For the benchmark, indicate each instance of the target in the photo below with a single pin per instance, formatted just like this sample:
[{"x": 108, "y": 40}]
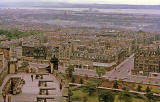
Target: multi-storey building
[
  {"x": 36, "y": 52},
  {"x": 147, "y": 61},
  {"x": 4, "y": 61},
  {"x": 65, "y": 51}
]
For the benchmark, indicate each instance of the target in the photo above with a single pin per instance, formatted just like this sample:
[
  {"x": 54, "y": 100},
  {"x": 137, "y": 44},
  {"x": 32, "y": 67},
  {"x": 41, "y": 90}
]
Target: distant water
[{"x": 122, "y": 11}]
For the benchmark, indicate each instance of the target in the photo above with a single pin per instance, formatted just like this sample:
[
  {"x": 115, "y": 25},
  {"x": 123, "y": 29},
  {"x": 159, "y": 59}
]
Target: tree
[
  {"x": 81, "y": 81},
  {"x": 100, "y": 71},
  {"x": 121, "y": 96},
  {"x": 85, "y": 99},
  {"x": 13, "y": 33},
  {"x": 70, "y": 71},
  {"x": 107, "y": 96},
  {"x": 124, "y": 88},
  {"x": 86, "y": 77},
  {"x": 140, "y": 31},
  {"x": 90, "y": 87},
  {"x": 70, "y": 93},
  {"x": 54, "y": 60},
  {"x": 73, "y": 79},
  {"x": 25, "y": 64},
  {"x": 148, "y": 89},
  {"x": 115, "y": 85},
  {"x": 150, "y": 96},
  {"x": 139, "y": 88},
  {"x": 99, "y": 83},
  {"x": 125, "y": 96}
]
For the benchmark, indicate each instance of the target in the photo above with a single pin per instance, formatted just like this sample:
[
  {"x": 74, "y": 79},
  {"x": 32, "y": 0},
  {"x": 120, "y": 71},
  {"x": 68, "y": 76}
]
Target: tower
[
  {"x": 12, "y": 66},
  {"x": 54, "y": 63}
]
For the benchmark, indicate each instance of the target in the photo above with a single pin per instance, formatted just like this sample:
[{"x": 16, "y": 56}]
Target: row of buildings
[
  {"x": 82, "y": 47},
  {"x": 147, "y": 60}
]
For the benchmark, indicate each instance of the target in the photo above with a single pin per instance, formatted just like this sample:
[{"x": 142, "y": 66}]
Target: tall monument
[
  {"x": 54, "y": 63},
  {"x": 12, "y": 66}
]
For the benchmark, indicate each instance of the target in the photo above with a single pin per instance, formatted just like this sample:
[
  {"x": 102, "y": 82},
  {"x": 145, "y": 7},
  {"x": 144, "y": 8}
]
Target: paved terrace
[{"x": 30, "y": 89}]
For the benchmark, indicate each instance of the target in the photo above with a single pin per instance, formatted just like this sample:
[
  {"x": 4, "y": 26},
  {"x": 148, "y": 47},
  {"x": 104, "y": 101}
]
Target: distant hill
[{"x": 69, "y": 5}]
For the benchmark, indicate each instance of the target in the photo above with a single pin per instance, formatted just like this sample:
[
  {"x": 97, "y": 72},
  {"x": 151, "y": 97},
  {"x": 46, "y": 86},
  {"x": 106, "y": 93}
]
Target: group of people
[{"x": 4, "y": 95}]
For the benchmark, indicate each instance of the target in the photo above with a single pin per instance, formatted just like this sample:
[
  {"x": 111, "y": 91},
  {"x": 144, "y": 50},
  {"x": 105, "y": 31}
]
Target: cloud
[{"x": 139, "y": 2}]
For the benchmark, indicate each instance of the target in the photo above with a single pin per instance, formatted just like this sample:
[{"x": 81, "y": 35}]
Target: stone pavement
[{"x": 30, "y": 89}]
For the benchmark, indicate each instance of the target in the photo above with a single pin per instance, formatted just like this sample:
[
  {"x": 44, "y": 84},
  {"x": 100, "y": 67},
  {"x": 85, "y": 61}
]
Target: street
[{"x": 122, "y": 71}]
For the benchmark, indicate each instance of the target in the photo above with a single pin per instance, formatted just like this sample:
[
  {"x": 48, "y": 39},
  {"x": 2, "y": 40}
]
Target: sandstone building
[{"x": 147, "y": 60}]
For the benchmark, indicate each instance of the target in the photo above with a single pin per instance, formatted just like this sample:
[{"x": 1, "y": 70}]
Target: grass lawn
[
  {"x": 78, "y": 96},
  {"x": 133, "y": 99},
  {"x": 155, "y": 89}
]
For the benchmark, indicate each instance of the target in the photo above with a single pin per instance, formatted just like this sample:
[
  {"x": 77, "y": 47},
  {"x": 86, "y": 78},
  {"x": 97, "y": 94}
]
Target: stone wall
[{"x": 3, "y": 74}]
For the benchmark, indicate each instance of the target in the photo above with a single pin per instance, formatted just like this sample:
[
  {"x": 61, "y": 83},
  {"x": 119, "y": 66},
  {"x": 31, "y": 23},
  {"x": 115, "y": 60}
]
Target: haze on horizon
[{"x": 129, "y": 2}]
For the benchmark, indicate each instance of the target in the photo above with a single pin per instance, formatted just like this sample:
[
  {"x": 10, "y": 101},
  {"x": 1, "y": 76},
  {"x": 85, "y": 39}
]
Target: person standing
[
  {"x": 60, "y": 87},
  {"x": 9, "y": 97},
  {"x": 32, "y": 77},
  {"x": 4, "y": 96}
]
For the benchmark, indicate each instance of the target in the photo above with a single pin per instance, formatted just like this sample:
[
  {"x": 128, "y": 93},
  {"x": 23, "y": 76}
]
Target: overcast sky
[{"x": 138, "y": 2}]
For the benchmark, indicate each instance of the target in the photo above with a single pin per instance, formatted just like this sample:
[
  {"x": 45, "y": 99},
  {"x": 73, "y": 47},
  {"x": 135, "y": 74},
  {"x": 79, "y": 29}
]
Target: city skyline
[
  {"x": 79, "y": 50},
  {"x": 130, "y": 2}
]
